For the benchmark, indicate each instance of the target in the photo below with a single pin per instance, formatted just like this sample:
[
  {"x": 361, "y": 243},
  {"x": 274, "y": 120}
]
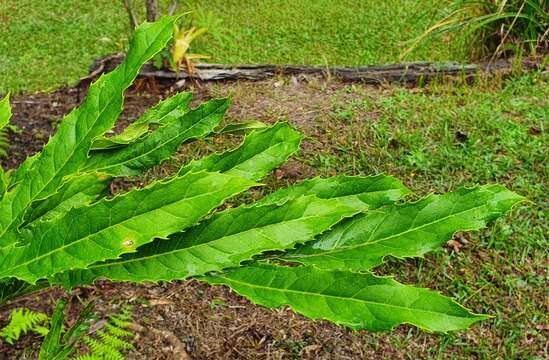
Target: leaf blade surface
[
  {"x": 356, "y": 300},
  {"x": 405, "y": 230},
  {"x": 111, "y": 227}
]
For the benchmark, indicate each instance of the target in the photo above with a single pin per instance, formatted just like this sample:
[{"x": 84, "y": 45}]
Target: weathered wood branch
[
  {"x": 151, "y": 7},
  {"x": 179, "y": 350},
  {"x": 131, "y": 15},
  {"x": 173, "y": 7},
  {"x": 401, "y": 73}
]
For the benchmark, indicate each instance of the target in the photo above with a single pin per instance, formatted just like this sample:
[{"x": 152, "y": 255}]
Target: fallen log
[{"x": 411, "y": 73}]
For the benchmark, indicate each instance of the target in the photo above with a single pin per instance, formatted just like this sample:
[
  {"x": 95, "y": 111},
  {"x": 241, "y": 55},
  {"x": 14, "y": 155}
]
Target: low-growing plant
[
  {"x": 176, "y": 54},
  {"x": 22, "y": 321},
  {"x": 97, "y": 338},
  {"x": 179, "y": 50},
  {"x": 497, "y": 27},
  {"x": 311, "y": 246},
  {"x": 111, "y": 340}
]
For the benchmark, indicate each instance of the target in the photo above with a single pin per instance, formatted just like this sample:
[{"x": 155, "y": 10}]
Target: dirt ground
[{"x": 213, "y": 322}]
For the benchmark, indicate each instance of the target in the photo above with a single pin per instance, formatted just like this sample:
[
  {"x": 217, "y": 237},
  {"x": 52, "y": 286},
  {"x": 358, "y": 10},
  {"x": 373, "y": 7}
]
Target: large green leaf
[
  {"x": 405, "y": 230},
  {"x": 241, "y": 127},
  {"x": 159, "y": 114},
  {"x": 225, "y": 240},
  {"x": 19, "y": 174},
  {"x": 76, "y": 191},
  {"x": 261, "y": 151},
  {"x": 161, "y": 143},
  {"x": 234, "y": 235},
  {"x": 68, "y": 149},
  {"x": 5, "y": 111},
  {"x": 5, "y": 178},
  {"x": 369, "y": 191},
  {"x": 11, "y": 288},
  {"x": 358, "y": 301},
  {"x": 5, "y": 115},
  {"x": 111, "y": 227}
]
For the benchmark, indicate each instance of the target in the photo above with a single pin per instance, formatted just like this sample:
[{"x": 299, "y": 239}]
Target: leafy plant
[
  {"x": 5, "y": 115},
  {"x": 59, "y": 226},
  {"x": 182, "y": 39},
  {"x": 497, "y": 26},
  {"x": 176, "y": 53},
  {"x": 22, "y": 321},
  {"x": 59, "y": 342},
  {"x": 109, "y": 342},
  {"x": 105, "y": 342}
]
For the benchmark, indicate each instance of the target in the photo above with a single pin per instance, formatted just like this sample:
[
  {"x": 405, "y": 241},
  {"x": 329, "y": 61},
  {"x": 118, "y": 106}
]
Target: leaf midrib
[
  {"x": 207, "y": 244},
  {"x": 190, "y": 128},
  {"x": 351, "y": 247},
  {"x": 78, "y": 241},
  {"x": 250, "y": 285},
  {"x": 125, "y": 64}
]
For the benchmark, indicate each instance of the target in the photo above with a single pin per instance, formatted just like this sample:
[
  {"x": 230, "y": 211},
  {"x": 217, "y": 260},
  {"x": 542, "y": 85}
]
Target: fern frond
[
  {"x": 114, "y": 341},
  {"x": 22, "y": 321},
  {"x": 104, "y": 351},
  {"x": 119, "y": 321},
  {"x": 108, "y": 343},
  {"x": 117, "y": 331}
]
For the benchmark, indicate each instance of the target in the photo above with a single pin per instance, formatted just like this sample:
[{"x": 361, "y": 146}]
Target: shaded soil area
[{"x": 213, "y": 322}]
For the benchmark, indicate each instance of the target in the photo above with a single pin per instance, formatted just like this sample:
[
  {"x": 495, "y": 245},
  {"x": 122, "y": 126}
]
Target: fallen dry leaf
[
  {"x": 454, "y": 244},
  {"x": 310, "y": 349},
  {"x": 156, "y": 302}
]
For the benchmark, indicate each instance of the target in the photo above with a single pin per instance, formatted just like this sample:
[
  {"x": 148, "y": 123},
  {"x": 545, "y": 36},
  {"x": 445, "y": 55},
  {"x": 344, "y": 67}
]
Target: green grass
[{"x": 47, "y": 44}]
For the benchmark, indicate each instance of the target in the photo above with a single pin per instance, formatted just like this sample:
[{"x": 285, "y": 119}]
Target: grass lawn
[{"x": 46, "y": 44}]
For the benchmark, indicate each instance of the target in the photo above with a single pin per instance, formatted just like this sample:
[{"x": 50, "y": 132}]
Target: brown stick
[
  {"x": 131, "y": 15},
  {"x": 152, "y": 10},
  {"x": 411, "y": 73},
  {"x": 179, "y": 350},
  {"x": 173, "y": 7}
]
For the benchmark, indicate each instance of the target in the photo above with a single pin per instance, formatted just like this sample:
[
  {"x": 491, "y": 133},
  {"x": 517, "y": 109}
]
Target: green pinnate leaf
[
  {"x": 54, "y": 230},
  {"x": 159, "y": 145},
  {"x": 22, "y": 321},
  {"x": 261, "y": 151},
  {"x": 68, "y": 149},
  {"x": 234, "y": 235},
  {"x": 161, "y": 113},
  {"x": 111, "y": 227},
  {"x": 5, "y": 111},
  {"x": 224, "y": 240},
  {"x": 405, "y": 230},
  {"x": 355, "y": 300}
]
